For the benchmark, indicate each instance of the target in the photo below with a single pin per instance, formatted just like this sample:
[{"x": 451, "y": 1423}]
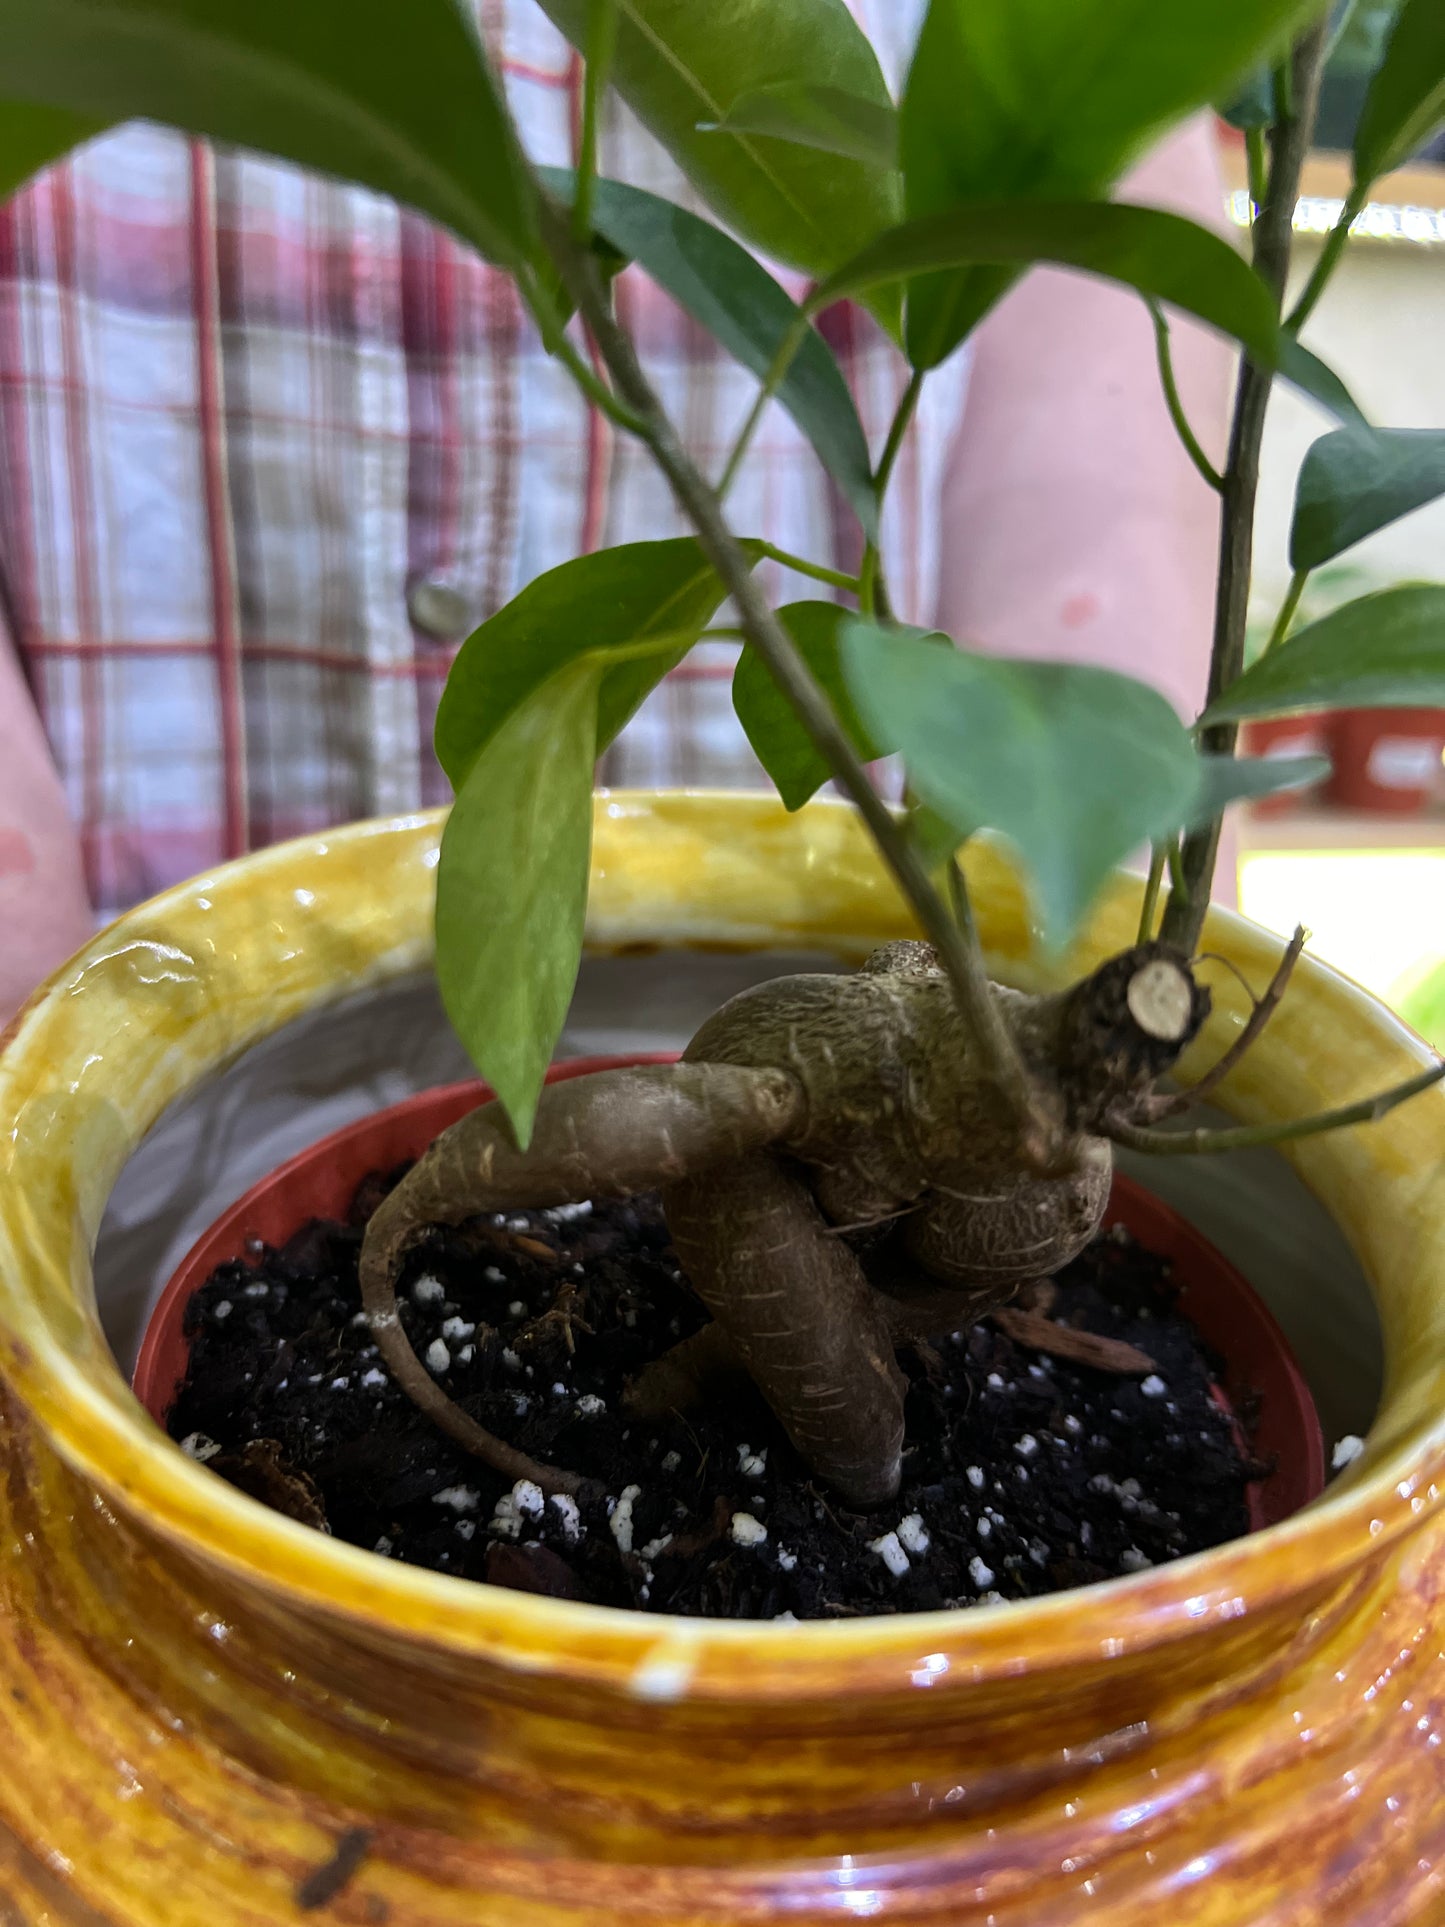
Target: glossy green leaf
[
  {"x": 681, "y": 64},
  {"x": 1075, "y": 766},
  {"x": 779, "y": 741},
  {"x": 1359, "y": 480},
  {"x": 512, "y": 887},
  {"x": 823, "y": 117},
  {"x": 1406, "y": 101},
  {"x": 407, "y": 106},
  {"x": 735, "y": 298},
  {"x": 1380, "y": 652},
  {"x": 1237, "y": 779},
  {"x": 1159, "y": 254},
  {"x": 1252, "y": 103},
  {"x": 661, "y": 592},
  {"x": 1313, "y": 377},
  {"x": 1049, "y": 99},
  {"x": 33, "y": 137}
]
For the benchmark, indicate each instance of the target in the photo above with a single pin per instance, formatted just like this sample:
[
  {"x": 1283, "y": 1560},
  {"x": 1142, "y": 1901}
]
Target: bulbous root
[{"x": 606, "y": 1136}]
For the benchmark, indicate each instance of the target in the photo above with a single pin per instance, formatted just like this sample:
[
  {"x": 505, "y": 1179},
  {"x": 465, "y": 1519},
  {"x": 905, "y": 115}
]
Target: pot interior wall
[{"x": 318, "y": 1074}]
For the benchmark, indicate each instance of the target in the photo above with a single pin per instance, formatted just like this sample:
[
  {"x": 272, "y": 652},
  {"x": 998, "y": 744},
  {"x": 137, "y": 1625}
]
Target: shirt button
[{"x": 439, "y": 610}]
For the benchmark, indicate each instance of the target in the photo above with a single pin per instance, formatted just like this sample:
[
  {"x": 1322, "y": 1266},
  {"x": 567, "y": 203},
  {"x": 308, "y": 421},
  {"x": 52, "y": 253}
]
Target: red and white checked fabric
[{"x": 245, "y": 410}]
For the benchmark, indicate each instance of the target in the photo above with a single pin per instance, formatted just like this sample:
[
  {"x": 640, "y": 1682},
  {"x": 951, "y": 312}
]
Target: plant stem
[
  {"x": 601, "y": 44},
  {"x": 836, "y": 577},
  {"x": 554, "y": 340},
  {"x": 777, "y": 374},
  {"x": 1273, "y": 232},
  {"x": 959, "y": 954},
  {"x": 1287, "y": 610},
  {"x": 1172, "y": 399},
  {"x": 1257, "y": 159},
  {"x": 897, "y": 429},
  {"x": 1264, "y": 1009},
  {"x": 1151, "y": 894},
  {"x": 1329, "y": 259},
  {"x": 1245, "y": 1137}
]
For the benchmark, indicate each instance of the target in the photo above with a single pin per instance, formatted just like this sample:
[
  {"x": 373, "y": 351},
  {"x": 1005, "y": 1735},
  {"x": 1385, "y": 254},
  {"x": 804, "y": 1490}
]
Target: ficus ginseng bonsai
[{"x": 916, "y": 1104}]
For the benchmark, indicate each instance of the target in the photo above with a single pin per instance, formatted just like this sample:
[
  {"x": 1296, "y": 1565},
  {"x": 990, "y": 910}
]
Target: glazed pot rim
[{"x": 55, "y": 1356}]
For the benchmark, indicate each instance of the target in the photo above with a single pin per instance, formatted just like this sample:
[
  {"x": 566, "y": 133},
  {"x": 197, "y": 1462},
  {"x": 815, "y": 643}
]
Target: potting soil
[{"x": 1022, "y": 1473}]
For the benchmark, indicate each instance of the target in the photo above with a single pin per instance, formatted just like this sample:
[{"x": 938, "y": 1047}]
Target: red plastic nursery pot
[
  {"x": 320, "y": 1182},
  {"x": 1389, "y": 760},
  {"x": 1292, "y": 736}
]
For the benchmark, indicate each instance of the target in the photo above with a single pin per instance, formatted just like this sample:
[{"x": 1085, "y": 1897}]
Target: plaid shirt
[{"x": 272, "y": 445}]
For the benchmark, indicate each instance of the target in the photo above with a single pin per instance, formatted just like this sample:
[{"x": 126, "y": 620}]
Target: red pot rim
[{"x": 321, "y": 1180}]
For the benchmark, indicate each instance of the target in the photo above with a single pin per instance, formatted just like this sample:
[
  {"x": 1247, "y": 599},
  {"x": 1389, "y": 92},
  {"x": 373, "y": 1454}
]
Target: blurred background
[{"x": 1361, "y": 861}]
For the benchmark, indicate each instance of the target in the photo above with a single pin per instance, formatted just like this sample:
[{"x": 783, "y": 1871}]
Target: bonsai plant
[{"x": 974, "y": 1120}]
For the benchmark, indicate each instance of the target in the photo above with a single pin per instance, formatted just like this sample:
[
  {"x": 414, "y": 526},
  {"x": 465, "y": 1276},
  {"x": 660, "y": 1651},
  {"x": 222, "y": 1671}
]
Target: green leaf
[
  {"x": 410, "y": 108},
  {"x": 1382, "y": 651},
  {"x": 661, "y": 592},
  {"x": 32, "y": 137},
  {"x": 1236, "y": 779},
  {"x": 1406, "y": 101},
  {"x": 827, "y": 118},
  {"x": 683, "y": 63},
  {"x": 512, "y": 887},
  {"x": 1076, "y": 766},
  {"x": 1359, "y": 480},
  {"x": 1049, "y": 99},
  {"x": 1314, "y": 378},
  {"x": 779, "y": 741},
  {"x": 1252, "y": 104},
  {"x": 733, "y": 296},
  {"x": 1159, "y": 254}
]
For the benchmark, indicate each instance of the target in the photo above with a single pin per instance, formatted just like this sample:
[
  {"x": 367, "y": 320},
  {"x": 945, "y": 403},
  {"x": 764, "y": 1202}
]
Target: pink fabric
[{"x": 245, "y": 410}]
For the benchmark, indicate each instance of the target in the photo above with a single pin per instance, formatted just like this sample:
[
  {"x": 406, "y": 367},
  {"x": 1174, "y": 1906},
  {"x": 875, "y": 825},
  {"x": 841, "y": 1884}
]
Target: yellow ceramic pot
[{"x": 212, "y": 1715}]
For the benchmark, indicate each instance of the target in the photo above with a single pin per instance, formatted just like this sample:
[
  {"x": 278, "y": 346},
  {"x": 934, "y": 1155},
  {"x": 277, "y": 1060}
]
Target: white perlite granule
[
  {"x": 438, "y": 1358},
  {"x": 590, "y": 1406},
  {"x": 427, "y": 1290},
  {"x": 461, "y": 1498},
  {"x": 373, "y": 1378},
  {"x": 457, "y": 1328},
  {"x": 974, "y": 1475},
  {"x": 1153, "y": 1386},
  {"x": 566, "y": 1509},
  {"x": 979, "y": 1573},
  {"x": 786, "y": 1560},
  {"x": 752, "y": 1464},
  {"x": 1132, "y": 1560},
  {"x": 671, "y": 1461},
  {"x": 1346, "y": 1451},
  {"x": 620, "y": 1518},
  {"x": 746, "y": 1530},
  {"x": 197, "y": 1446},
  {"x": 891, "y": 1553},
  {"x": 1027, "y": 1446},
  {"x": 222, "y": 1311},
  {"x": 913, "y": 1533}
]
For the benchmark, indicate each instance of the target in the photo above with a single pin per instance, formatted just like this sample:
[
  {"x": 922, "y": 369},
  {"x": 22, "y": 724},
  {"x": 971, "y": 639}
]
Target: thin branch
[
  {"x": 1151, "y": 894},
  {"x": 897, "y": 429},
  {"x": 554, "y": 340},
  {"x": 1329, "y": 257},
  {"x": 1273, "y": 233},
  {"x": 1257, "y": 160},
  {"x": 1264, "y": 1008},
  {"x": 601, "y": 45},
  {"x": 961, "y": 959},
  {"x": 777, "y": 374},
  {"x": 1246, "y": 1137},
  {"x": 836, "y": 577},
  {"x": 1287, "y": 609},
  {"x": 1173, "y": 402}
]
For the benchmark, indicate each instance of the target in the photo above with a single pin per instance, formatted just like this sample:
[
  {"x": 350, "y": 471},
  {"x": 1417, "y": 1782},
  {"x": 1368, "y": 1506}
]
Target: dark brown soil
[{"x": 1022, "y": 1474}]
